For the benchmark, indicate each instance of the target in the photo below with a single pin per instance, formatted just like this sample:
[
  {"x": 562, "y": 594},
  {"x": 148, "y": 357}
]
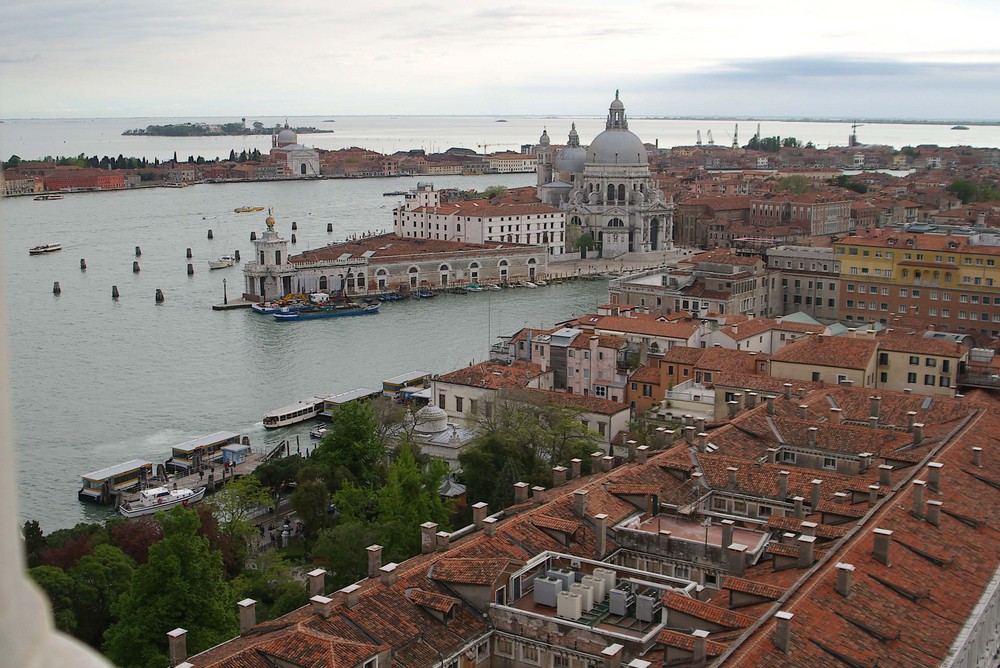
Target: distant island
[{"x": 212, "y": 130}]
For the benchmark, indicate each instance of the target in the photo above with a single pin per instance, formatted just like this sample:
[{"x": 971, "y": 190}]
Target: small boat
[
  {"x": 423, "y": 295},
  {"x": 222, "y": 262},
  {"x": 270, "y": 308},
  {"x": 321, "y": 312},
  {"x": 960, "y": 127},
  {"x": 494, "y": 288},
  {"x": 529, "y": 284},
  {"x": 318, "y": 432},
  {"x": 390, "y": 297},
  {"x": 45, "y": 248},
  {"x": 160, "y": 498},
  {"x": 43, "y": 198},
  {"x": 473, "y": 287},
  {"x": 248, "y": 209},
  {"x": 540, "y": 283},
  {"x": 394, "y": 193},
  {"x": 303, "y": 410},
  {"x": 458, "y": 291}
]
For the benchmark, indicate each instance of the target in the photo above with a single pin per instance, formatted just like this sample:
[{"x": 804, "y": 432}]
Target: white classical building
[
  {"x": 299, "y": 161},
  {"x": 606, "y": 190}
]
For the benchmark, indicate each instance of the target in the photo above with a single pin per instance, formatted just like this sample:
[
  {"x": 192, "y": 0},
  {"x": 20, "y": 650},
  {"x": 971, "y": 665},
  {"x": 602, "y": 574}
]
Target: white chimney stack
[
  {"x": 248, "y": 614},
  {"x": 351, "y": 596},
  {"x": 321, "y": 605},
  {"x": 882, "y": 540},
  {"x": 783, "y": 630},
  {"x": 177, "y": 640},
  {"x": 317, "y": 579},
  {"x": 845, "y": 579}
]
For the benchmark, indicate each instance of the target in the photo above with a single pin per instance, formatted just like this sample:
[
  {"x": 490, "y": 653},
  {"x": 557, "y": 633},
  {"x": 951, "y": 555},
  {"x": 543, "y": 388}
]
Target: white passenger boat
[
  {"x": 307, "y": 409},
  {"x": 318, "y": 432},
  {"x": 222, "y": 262},
  {"x": 155, "y": 499}
]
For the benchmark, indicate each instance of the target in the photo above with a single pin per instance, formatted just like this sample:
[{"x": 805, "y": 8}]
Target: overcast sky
[{"x": 843, "y": 58}]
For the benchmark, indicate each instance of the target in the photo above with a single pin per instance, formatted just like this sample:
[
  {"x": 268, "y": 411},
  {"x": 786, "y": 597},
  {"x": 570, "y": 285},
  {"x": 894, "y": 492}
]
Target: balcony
[{"x": 987, "y": 380}]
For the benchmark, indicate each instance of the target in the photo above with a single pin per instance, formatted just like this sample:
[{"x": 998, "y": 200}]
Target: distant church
[
  {"x": 300, "y": 161},
  {"x": 606, "y": 189}
]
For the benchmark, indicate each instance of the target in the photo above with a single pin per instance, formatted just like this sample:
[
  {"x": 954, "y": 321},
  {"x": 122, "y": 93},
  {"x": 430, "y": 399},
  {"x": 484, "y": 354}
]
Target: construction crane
[
  {"x": 486, "y": 147},
  {"x": 711, "y": 142},
  {"x": 697, "y": 141},
  {"x": 853, "y": 139}
]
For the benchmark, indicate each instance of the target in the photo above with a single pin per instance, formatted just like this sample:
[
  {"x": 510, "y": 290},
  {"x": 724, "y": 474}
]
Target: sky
[{"x": 914, "y": 59}]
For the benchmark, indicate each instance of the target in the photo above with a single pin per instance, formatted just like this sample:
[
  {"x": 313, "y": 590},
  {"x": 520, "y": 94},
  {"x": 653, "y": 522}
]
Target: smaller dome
[
  {"x": 431, "y": 420},
  {"x": 544, "y": 139},
  {"x": 286, "y": 137},
  {"x": 571, "y": 159}
]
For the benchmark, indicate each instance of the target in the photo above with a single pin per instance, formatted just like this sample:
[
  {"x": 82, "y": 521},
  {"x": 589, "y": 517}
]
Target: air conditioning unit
[
  {"x": 609, "y": 576},
  {"x": 547, "y": 590},
  {"x": 586, "y": 593},
  {"x": 597, "y": 584},
  {"x": 647, "y": 608},
  {"x": 622, "y": 602},
  {"x": 570, "y": 605},
  {"x": 567, "y": 576}
]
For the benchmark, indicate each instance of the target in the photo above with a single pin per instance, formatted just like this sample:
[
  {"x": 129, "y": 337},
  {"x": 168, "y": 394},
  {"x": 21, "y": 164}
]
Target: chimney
[
  {"x": 490, "y": 526},
  {"x": 558, "y": 475},
  {"x": 787, "y": 390},
  {"x": 783, "y": 630},
  {"x": 782, "y": 485},
  {"x": 686, "y": 420},
  {"x": 660, "y": 436},
  {"x": 700, "y": 424},
  {"x": 520, "y": 492},
  {"x": 803, "y": 412},
  {"x": 388, "y": 574},
  {"x": 845, "y": 579},
  {"x": 934, "y": 512},
  {"x": 689, "y": 435},
  {"x": 601, "y": 534},
  {"x": 177, "y": 640},
  {"x": 248, "y": 614},
  {"x": 934, "y": 476},
  {"x": 612, "y": 656},
  {"x": 977, "y": 457},
  {"x": 918, "y": 433},
  {"x": 727, "y": 532},
  {"x": 351, "y": 595},
  {"x": 317, "y": 581},
  {"x": 808, "y": 528},
  {"x": 872, "y": 421},
  {"x": 772, "y": 455},
  {"x": 580, "y": 502},
  {"x": 799, "y": 511},
  {"x": 574, "y": 467},
  {"x": 875, "y": 403},
  {"x": 911, "y": 418},
  {"x": 918, "y": 498},
  {"x": 882, "y": 539},
  {"x": 836, "y": 415},
  {"x": 811, "y": 436},
  {"x": 427, "y": 531},
  {"x": 732, "y": 476},
  {"x": 663, "y": 541},
  {"x": 374, "y": 560},
  {"x": 733, "y": 407},
  {"x": 866, "y": 461},
  {"x": 699, "y": 652},
  {"x": 607, "y": 463},
  {"x": 641, "y": 454},
  {"x": 788, "y": 538},
  {"x": 814, "y": 497},
  {"x": 443, "y": 539},
  {"x": 885, "y": 475},
  {"x": 873, "y": 494},
  {"x": 702, "y": 441},
  {"x": 737, "y": 562},
  {"x": 538, "y": 495},
  {"x": 321, "y": 605},
  {"x": 806, "y": 551},
  {"x": 631, "y": 446},
  {"x": 770, "y": 405},
  {"x": 669, "y": 436},
  {"x": 801, "y": 393},
  {"x": 751, "y": 399},
  {"x": 595, "y": 461},
  {"x": 479, "y": 512}
]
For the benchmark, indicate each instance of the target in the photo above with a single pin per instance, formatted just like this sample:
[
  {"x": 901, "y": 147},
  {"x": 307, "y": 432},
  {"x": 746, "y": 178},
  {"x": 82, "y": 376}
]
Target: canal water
[{"x": 96, "y": 382}]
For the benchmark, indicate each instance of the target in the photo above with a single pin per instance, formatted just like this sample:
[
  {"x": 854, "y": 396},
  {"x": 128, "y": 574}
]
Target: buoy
[
  {"x": 135, "y": 267},
  {"x": 189, "y": 253},
  {"x": 138, "y": 251},
  {"x": 159, "y": 296},
  {"x": 190, "y": 269},
  {"x": 56, "y": 288},
  {"x": 83, "y": 264},
  {"x": 295, "y": 225},
  {"x": 236, "y": 254},
  {"x": 114, "y": 292},
  {"x": 293, "y": 238},
  {"x": 210, "y": 235},
  {"x": 253, "y": 236},
  {"x": 329, "y": 227}
]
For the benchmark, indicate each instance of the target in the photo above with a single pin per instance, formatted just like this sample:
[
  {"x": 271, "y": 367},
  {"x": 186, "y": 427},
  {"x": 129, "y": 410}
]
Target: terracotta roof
[
  {"x": 932, "y": 242},
  {"x": 758, "y": 326},
  {"x": 915, "y": 343},
  {"x": 831, "y": 351},
  {"x": 556, "y": 524},
  {"x": 782, "y": 549},
  {"x": 645, "y": 374},
  {"x": 710, "y": 613},
  {"x": 469, "y": 571},
  {"x": 588, "y": 404},
  {"x": 685, "y": 641},
  {"x": 494, "y": 375},
  {"x": 432, "y": 600},
  {"x": 828, "y": 531},
  {"x": 648, "y": 325},
  {"x": 683, "y": 354},
  {"x": 752, "y": 587},
  {"x": 623, "y": 489},
  {"x": 391, "y": 247}
]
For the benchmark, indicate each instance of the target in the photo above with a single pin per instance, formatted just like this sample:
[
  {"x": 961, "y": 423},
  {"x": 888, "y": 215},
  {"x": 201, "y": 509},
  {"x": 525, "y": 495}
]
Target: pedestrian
[{"x": 201, "y": 475}]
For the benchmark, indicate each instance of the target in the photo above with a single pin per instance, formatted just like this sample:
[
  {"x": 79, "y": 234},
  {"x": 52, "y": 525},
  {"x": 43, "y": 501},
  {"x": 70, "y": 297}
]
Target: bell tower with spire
[{"x": 544, "y": 154}]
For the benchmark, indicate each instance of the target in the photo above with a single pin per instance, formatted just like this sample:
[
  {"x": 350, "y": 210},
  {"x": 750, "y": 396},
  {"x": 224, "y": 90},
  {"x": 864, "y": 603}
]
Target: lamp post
[{"x": 225, "y": 294}]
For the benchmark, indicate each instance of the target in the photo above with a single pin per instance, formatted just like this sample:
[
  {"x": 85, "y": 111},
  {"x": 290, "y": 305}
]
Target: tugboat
[{"x": 160, "y": 498}]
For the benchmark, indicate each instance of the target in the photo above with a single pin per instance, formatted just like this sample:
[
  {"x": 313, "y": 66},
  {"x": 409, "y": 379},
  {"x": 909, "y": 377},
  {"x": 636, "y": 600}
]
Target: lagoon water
[{"x": 96, "y": 382}]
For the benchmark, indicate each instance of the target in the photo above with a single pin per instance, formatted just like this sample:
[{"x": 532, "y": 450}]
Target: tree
[
  {"x": 963, "y": 189},
  {"x": 494, "y": 191},
  {"x": 585, "y": 241},
  {"x": 844, "y": 181},
  {"x": 341, "y": 550},
  {"x": 795, "y": 183},
  {"x": 99, "y": 579},
  {"x": 34, "y": 542},
  {"x": 278, "y": 474},
  {"x": 409, "y": 498},
  {"x": 353, "y": 444},
  {"x": 182, "y": 584},
  {"x": 234, "y": 504},
  {"x": 13, "y": 162},
  {"x": 135, "y": 537},
  {"x": 272, "y": 585},
  {"x": 60, "y": 589},
  {"x": 311, "y": 501}
]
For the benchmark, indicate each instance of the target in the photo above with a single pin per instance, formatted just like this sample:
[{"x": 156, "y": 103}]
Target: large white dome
[
  {"x": 286, "y": 137},
  {"x": 617, "y": 147},
  {"x": 571, "y": 159}
]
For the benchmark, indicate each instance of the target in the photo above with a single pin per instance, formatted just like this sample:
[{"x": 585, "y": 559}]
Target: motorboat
[
  {"x": 495, "y": 288},
  {"x": 540, "y": 283},
  {"x": 321, "y": 312},
  {"x": 318, "y": 432},
  {"x": 529, "y": 284},
  {"x": 155, "y": 499},
  {"x": 473, "y": 287},
  {"x": 248, "y": 209},
  {"x": 390, "y": 297},
  {"x": 43, "y": 198},
  {"x": 222, "y": 262},
  {"x": 270, "y": 308},
  {"x": 45, "y": 248}
]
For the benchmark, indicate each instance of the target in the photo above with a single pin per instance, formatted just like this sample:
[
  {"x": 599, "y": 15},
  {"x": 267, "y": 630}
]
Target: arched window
[
  {"x": 616, "y": 222},
  {"x": 302, "y": 168},
  {"x": 503, "y": 271},
  {"x": 906, "y": 273},
  {"x": 322, "y": 282},
  {"x": 611, "y": 192},
  {"x": 575, "y": 220},
  {"x": 443, "y": 267},
  {"x": 414, "y": 276},
  {"x": 947, "y": 277},
  {"x": 474, "y": 271},
  {"x": 621, "y": 192},
  {"x": 360, "y": 281},
  {"x": 381, "y": 276}
]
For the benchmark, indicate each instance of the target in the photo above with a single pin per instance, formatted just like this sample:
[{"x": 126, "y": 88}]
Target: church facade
[
  {"x": 606, "y": 189},
  {"x": 298, "y": 161}
]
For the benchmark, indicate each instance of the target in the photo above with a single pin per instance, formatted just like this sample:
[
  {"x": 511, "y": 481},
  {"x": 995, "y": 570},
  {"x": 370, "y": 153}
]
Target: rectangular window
[
  {"x": 458, "y": 404},
  {"x": 930, "y": 361},
  {"x": 911, "y": 378},
  {"x": 505, "y": 647},
  {"x": 929, "y": 380},
  {"x": 830, "y": 463},
  {"x": 530, "y": 654},
  {"x": 441, "y": 401},
  {"x": 788, "y": 456}
]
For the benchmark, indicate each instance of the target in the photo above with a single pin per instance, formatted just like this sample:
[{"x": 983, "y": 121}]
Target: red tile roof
[
  {"x": 752, "y": 587},
  {"x": 588, "y": 404},
  {"x": 469, "y": 571},
  {"x": 831, "y": 351},
  {"x": 685, "y": 641},
  {"x": 391, "y": 247},
  {"x": 710, "y": 613},
  {"x": 494, "y": 375}
]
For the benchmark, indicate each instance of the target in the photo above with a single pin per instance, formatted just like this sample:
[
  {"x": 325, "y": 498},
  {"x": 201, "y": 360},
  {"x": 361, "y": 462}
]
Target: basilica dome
[
  {"x": 287, "y": 137},
  {"x": 617, "y": 145},
  {"x": 573, "y": 157},
  {"x": 431, "y": 420}
]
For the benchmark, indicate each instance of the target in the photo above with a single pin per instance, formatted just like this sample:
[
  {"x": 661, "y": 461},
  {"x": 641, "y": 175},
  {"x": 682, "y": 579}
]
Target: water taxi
[
  {"x": 44, "y": 198},
  {"x": 201, "y": 451},
  {"x": 155, "y": 499},
  {"x": 248, "y": 209},
  {"x": 391, "y": 386},
  {"x": 334, "y": 402},
  {"x": 44, "y": 248},
  {"x": 320, "y": 312},
  {"x": 473, "y": 287},
  {"x": 100, "y": 485},
  {"x": 222, "y": 262},
  {"x": 307, "y": 409}
]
